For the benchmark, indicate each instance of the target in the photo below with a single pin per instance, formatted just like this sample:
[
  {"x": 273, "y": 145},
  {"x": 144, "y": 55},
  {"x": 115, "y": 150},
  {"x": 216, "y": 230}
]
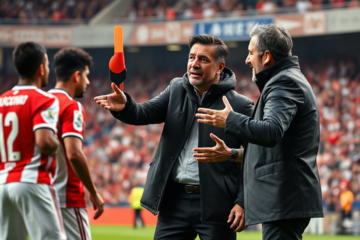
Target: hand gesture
[
  {"x": 216, "y": 118},
  {"x": 239, "y": 221},
  {"x": 115, "y": 101},
  {"x": 98, "y": 204},
  {"x": 219, "y": 153}
]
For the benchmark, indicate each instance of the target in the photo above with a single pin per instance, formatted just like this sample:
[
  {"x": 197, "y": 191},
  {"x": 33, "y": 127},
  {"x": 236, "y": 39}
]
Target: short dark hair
[
  {"x": 273, "y": 38},
  {"x": 69, "y": 60},
  {"x": 27, "y": 58},
  {"x": 221, "y": 52}
]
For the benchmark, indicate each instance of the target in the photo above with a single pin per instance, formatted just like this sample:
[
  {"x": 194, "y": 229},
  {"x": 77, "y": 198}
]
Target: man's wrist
[{"x": 234, "y": 154}]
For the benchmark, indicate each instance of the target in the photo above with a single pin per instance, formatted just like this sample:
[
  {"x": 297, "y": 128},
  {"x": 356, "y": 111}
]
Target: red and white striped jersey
[
  {"x": 71, "y": 124},
  {"x": 23, "y": 110}
]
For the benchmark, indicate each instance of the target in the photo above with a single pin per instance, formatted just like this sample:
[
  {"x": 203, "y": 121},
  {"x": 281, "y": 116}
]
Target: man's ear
[
  {"x": 220, "y": 67},
  {"x": 41, "y": 70},
  {"x": 267, "y": 59},
  {"x": 76, "y": 76}
]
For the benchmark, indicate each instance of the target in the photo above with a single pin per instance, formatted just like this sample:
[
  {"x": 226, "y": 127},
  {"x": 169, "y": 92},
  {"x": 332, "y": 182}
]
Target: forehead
[
  {"x": 252, "y": 43},
  {"x": 201, "y": 49}
]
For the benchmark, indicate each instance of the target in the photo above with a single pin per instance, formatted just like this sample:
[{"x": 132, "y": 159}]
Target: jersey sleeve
[
  {"x": 46, "y": 113},
  {"x": 73, "y": 121}
]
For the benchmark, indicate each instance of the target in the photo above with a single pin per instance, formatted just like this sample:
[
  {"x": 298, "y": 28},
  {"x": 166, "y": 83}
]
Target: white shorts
[
  {"x": 28, "y": 208},
  {"x": 76, "y": 223}
]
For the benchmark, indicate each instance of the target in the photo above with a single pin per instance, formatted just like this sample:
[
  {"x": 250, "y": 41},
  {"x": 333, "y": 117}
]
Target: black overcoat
[{"x": 281, "y": 179}]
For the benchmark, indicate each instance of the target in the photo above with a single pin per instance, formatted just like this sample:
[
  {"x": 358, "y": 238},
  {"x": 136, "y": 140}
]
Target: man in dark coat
[
  {"x": 281, "y": 180},
  {"x": 185, "y": 193}
]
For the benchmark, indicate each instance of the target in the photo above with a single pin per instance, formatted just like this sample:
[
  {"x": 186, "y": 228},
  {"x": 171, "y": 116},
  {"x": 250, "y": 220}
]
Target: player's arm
[
  {"x": 78, "y": 161},
  {"x": 47, "y": 141}
]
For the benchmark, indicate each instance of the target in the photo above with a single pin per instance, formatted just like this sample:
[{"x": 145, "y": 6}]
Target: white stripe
[
  {"x": 31, "y": 171},
  {"x": 61, "y": 176},
  {"x": 72, "y": 134},
  {"x": 79, "y": 105},
  {"x": 24, "y": 87},
  {"x": 44, "y": 125},
  {"x": 5, "y": 172},
  {"x": 45, "y": 93},
  {"x": 60, "y": 91},
  {"x": 48, "y": 165}
]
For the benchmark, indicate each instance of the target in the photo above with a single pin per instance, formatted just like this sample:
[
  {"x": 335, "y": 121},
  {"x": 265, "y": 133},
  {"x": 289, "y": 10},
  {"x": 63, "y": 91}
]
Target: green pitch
[{"x": 128, "y": 233}]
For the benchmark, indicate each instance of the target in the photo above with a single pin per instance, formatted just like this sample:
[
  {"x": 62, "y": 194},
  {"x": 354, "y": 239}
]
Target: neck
[
  {"x": 66, "y": 87},
  {"x": 36, "y": 83}
]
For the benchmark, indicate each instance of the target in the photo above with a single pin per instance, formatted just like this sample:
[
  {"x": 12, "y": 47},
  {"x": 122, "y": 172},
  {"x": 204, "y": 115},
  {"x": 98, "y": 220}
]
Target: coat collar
[
  {"x": 265, "y": 75},
  {"x": 227, "y": 82}
]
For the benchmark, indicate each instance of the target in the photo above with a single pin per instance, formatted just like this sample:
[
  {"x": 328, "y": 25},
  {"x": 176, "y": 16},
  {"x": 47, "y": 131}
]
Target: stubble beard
[{"x": 254, "y": 79}]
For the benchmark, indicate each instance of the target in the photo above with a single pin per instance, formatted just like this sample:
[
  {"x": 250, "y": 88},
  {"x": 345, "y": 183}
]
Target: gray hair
[{"x": 273, "y": 38}]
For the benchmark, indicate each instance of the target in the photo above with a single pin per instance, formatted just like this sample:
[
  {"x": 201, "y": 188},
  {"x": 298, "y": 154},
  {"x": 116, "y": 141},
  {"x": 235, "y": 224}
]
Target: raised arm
[{"x": 124, "y": 107}]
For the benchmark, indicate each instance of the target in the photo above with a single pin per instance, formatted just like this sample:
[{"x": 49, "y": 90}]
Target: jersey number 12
[{"x": 11, "y": 117}]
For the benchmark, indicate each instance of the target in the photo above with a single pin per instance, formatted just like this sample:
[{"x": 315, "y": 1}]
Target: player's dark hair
[
  {"x": 69, "y": 60},
  {"x": 27, "y": 58},
  {"x": 221, "y": 52}
]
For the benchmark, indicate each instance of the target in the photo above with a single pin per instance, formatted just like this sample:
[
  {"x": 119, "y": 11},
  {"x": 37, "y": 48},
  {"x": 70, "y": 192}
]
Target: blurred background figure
[
  {"x": 346, "y": 200},
  {"x": 134, "y": 200}
]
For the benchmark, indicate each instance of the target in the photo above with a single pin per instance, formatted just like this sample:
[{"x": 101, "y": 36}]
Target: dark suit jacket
[{"x": 281, "y": 179}]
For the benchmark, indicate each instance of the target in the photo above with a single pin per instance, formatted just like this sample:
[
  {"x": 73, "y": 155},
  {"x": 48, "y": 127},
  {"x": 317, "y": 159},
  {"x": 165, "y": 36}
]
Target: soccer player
[
  {"x": 71, "y": 70},
  {"x": 28, "y": 144}
]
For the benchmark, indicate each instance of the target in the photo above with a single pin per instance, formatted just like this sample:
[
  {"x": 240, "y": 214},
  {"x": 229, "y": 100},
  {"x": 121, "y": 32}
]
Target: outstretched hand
[
  {"x": 216, "y": 118},
  {"x": 219, "y": 153},
  {"x": 115, "y": 101}
]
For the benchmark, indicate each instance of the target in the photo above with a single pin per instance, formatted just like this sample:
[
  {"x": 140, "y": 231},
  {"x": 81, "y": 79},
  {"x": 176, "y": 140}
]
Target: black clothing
[
  {"x": 289, "y": 229},
  {"x": 138, "y": 218},
  {"x": 177, "y": 106},
  {"x": 281, "y": 179},
  {"x": 180, "y": 218}
]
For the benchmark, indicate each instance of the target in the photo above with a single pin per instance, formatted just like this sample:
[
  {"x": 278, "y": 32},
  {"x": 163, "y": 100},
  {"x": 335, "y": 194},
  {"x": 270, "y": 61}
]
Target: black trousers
[
  {"x": 289, "y": 229},
  {"x": 180, "y": 218},
  {"x": 138, "y": 218}
]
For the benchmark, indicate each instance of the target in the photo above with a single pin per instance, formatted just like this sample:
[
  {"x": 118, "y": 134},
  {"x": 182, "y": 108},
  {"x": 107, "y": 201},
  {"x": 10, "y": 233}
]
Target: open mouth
[{"x": 195, "y": 74}]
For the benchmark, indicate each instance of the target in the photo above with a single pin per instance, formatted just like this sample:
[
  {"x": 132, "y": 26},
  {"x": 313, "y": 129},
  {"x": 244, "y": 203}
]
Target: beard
[
  {"x": 79, "y": 95},
  {"x": 254, "y": 79},
  {"x": 202, "y": 82}
]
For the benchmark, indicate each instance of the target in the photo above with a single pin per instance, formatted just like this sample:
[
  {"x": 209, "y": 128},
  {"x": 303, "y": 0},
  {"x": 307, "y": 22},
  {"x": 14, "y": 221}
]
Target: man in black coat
[
  {"x": 281, "y": 180},
  {"x": 191, "y": 198}
]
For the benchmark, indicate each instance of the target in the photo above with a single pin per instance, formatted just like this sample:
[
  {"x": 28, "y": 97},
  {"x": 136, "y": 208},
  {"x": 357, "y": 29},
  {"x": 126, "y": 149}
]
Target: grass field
[{"x": 128, "y": 233}]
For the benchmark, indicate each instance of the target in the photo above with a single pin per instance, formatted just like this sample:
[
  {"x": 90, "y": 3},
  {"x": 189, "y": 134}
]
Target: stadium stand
[
  {"x": 34, "y": 10},
  {"x": 190, "y": 9}
]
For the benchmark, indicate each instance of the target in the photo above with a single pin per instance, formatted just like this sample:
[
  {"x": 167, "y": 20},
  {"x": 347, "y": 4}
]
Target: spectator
[{"x": 346, "y": 200}]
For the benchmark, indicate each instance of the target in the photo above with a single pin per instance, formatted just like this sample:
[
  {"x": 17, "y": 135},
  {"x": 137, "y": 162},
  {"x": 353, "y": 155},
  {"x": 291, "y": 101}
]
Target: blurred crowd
[
  {"x": 54, "y": 10},
  {"x": 119, "y": 154},
  {"x": 198, "y": 9},
  {"x": 159, "y": 10}
]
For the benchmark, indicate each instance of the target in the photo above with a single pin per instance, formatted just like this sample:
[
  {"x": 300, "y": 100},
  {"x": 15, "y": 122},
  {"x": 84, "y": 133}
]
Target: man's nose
[
  {"x": 195, "y": 63},
  {"x": 247, "y": 60}
]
